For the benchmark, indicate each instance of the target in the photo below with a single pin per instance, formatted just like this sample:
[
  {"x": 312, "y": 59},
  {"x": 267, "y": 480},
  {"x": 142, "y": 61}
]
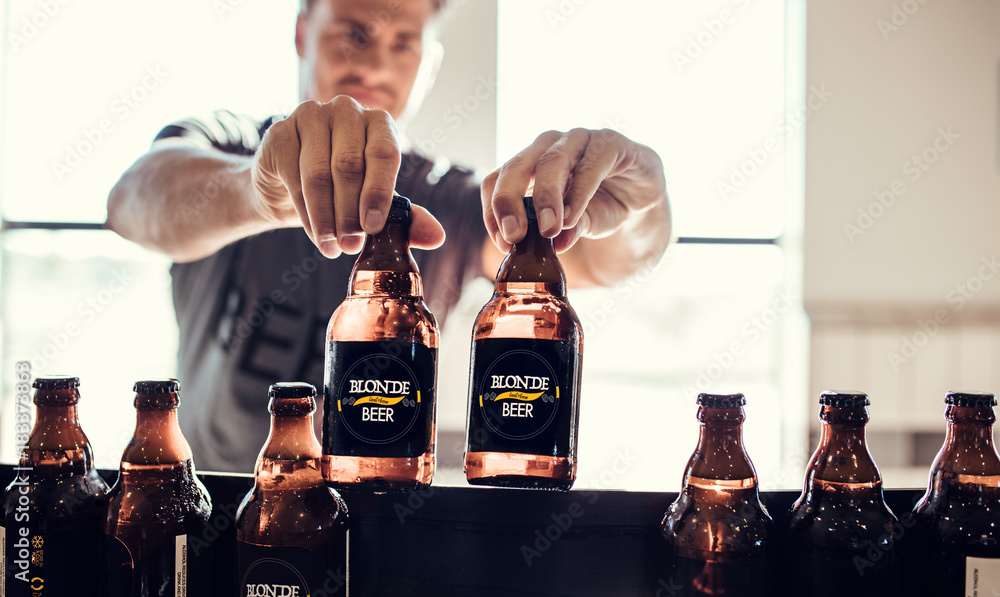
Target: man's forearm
[{"x": 186, "y": 202}]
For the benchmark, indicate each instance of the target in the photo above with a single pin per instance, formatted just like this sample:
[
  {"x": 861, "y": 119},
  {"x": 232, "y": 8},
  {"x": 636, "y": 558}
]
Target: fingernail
[
  {"x": 546, "y": 218},
  {"x": 567, "y": 212},
  {"x": 329, "y": 248},
  {"x": 509, "y": 226},
  {"x": 373, "y": 220}
]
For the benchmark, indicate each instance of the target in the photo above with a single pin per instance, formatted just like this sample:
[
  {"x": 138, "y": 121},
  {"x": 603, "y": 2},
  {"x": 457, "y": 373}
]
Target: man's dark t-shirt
[{"x": 256, "y": 312}]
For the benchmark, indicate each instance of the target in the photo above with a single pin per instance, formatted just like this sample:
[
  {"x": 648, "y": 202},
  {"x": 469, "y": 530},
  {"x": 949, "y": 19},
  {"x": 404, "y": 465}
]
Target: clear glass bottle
[
  {"x": 158, "y": 507},
  {"x": 291, "y": 529},
  {"x": 53, "y": 508},
  {"x": 527, "y": 350},
  {"x": 717, "y": 532},
  {"x": 381, "y": 370}
]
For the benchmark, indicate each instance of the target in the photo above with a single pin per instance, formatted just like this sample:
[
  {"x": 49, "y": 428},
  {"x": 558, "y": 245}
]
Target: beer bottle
[
  {"x": 956, "y": 542},
  {"x": 527, "y": 348},
  {"x": 381, "y": 368},
  {"x": 717, "y": 532},
  {"x": 840, "y": 538},
  {"x": 291, "y": 529},
  {"x": 53, "y": 507},
  {"x": 158, "y": 510}
]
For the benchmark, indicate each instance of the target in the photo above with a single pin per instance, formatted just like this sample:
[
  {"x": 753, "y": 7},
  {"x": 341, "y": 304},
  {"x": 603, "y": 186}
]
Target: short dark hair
[{"x": 439, "y": 5}]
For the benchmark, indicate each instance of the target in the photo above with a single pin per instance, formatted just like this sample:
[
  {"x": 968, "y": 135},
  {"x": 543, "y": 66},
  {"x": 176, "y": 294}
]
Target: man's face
[{"x": 367, "y": 49}]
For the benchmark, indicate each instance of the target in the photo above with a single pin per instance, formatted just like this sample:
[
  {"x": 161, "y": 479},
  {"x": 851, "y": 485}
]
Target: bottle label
[
  {"x": 289, "y": 571},
  {"x": 378, "y": 399},
  {"x": 180, "y": 566},
  {"x": 523, "y": 396},
  {"x": 982, "y": 576}
]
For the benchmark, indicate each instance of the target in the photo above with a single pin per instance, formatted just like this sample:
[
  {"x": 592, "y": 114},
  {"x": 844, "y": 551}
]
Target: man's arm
[
  {"x": 329, "y": 168},
  {"x": 595, "y": 187},
  {"x": 185, "y": 201}
]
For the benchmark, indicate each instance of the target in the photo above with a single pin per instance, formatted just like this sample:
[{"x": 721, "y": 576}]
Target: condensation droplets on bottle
[{"x": 527, "y": 350}]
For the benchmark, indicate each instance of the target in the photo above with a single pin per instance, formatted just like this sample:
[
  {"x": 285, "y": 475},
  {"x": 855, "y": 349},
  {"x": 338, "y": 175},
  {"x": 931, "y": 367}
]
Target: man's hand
[
  {"x": 586, "y": 184},
  {"x": 331, "y": 168}
]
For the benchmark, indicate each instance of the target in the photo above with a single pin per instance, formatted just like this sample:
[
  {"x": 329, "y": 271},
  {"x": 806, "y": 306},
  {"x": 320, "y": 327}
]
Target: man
[{"x": 258, "y": 269}]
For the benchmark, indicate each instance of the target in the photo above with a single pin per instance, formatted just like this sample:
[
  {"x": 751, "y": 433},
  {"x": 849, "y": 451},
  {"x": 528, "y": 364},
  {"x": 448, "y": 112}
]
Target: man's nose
[{"x": 371, "y": 60}]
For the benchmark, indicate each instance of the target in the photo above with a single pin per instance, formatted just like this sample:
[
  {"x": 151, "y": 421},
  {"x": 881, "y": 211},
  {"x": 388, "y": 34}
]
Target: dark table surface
[{"x": 489, "y": 542}]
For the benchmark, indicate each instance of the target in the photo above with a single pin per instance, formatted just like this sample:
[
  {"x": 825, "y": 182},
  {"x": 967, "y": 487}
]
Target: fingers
[
  {"x": 312, "y": 126},
  {"x": 382, "y": 159},
  {"x": 603, "y": 153},
  {"x": 503, "y": 193},
  {"x": 338, "y": 164},
  {"x": 425, "y": 231},
  {"x": 556, "y": 166}
]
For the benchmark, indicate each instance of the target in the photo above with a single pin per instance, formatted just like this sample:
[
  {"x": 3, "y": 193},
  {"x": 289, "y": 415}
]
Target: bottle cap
[
  {"x": 55, "y": 382},
  {"x": 157, "y": 386},
  {"x": 973, "y": 399},
  {"x": 529, "y": 208},
  {"x": 844, "y": 399},
  {"x": 721, "y": 400},
  {"x": 291, "y": 399},
  {"x": 400, "y": 207},
  {"x": 292, "y": 389}
]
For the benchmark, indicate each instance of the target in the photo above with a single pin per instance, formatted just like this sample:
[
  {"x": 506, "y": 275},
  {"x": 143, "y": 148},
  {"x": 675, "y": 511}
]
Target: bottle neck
[
  {"x": 157, "y": 440},
  {"x": 532, "y": 267},
  {"x": 969, "y": 451},
  {"x": 842, "y": 459},
  {"x": 291, "y": 455},
  {"x": 721, "y": 456},
  {"x": 385, "y": 265},
  {"x": 57, "y": 440}
]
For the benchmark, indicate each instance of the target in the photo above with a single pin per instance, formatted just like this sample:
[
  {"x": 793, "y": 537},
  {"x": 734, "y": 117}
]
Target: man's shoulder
[{"x": 222, "y": 129}]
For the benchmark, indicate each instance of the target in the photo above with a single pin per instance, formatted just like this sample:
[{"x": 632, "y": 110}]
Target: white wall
[{"x": 912, "y": 116}]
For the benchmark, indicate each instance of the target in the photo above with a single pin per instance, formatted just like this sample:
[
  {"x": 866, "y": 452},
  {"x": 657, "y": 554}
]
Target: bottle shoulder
[
  {"x": 698, "y": 524},
  {"x": 298, "y": 516},
  {"x": 543, "y": 317},
  {"x": 383, "y": 318}
]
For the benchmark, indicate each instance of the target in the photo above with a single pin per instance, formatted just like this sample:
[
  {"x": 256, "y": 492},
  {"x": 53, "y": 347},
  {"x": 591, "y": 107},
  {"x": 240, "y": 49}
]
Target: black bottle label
[
  {"x": 118, "y": 576},
  {"x": 378, "y": 399},
  {"x": 523, "y": 394},
  {"x": 289, "y": 571}
]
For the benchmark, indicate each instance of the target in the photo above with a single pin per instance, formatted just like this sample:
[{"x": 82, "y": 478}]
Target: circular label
[
  {"x": 378, "y": 399},
  {"x": 267, "y": 577},
  {"x": 519, "y": 395}
]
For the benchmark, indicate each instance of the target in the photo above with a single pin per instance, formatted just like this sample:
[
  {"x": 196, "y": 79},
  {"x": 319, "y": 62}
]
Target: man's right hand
[{"x": 332, "y": 168}]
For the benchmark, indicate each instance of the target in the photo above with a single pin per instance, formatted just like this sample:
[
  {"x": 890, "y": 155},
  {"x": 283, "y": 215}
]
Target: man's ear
[
  {"x": 300, "y": 35},
  {"x": 433, "y": 56}
]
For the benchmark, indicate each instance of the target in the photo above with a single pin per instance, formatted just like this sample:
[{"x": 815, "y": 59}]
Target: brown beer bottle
[
  {"x": 158, "y": 510},
  {"x": 381, "y": 370},
  {"x": 956, "y": 540},
  {"x": 527, "y": 348},
  {"x": 840, "y": 538},
  {"x": 53, "y": 507},
  {"x": 291, "y": 529},
  {"x": 717, "y": 532}
]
